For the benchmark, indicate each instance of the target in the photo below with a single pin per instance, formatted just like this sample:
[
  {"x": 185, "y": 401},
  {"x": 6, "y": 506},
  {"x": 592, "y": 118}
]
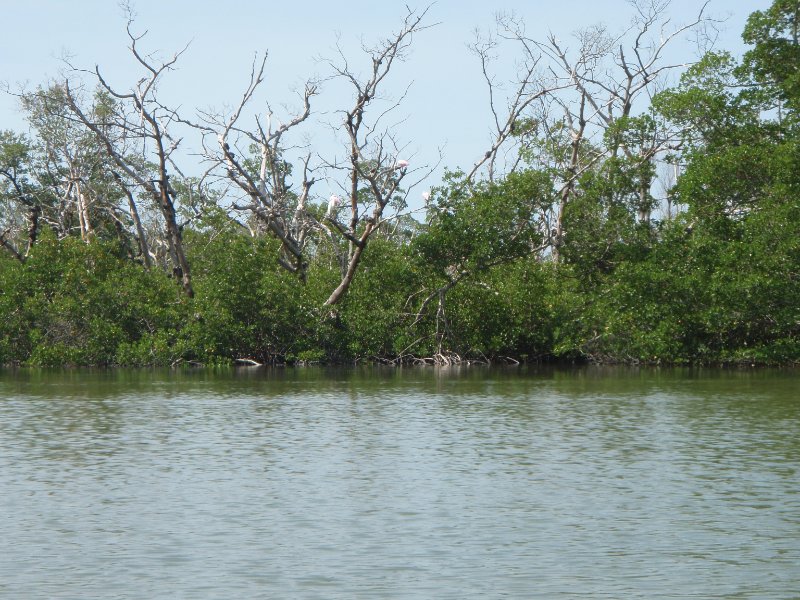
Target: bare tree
[
  {"x": 256, "y": 164},
  {"x": 611, "y": 74},
  {"x": 531, "y": 86},
  {"x": 588, "y": 91},
  {"x": 136, "y": 138},
  {"x": 373, "y": 166},
  {"x": 270, "y": 198}
]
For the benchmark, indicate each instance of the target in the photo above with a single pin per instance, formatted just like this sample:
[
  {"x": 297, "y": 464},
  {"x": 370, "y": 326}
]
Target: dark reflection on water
[{"x": 380, "y": 483}]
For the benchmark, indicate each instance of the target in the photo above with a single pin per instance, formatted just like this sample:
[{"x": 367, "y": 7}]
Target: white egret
[{"x": 333, "y": 204}]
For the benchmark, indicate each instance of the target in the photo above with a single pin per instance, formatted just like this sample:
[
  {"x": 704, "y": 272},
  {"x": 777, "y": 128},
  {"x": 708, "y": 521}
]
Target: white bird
[
  {"x": 333, "y": 203},
  {"x": 401, "y": 164},
  {"x": 426, "y": 196}
]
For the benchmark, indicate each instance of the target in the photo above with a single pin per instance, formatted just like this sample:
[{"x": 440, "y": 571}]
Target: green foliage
[
  {"x": 14, "y": 324},
  {"x": 77, "y": 303},
  {"x": 19, "y": 191},
  {"x": 14, "y": 153},
  {"x": 245, "y": 305},
  {"x": 704, "y": 106},
  {"x": 718, "y": 283},
  {"x": 375, "y": 313},
  {"x": 508, "y": 312},
  {"x": 474, "y": 228},
  {"x": 774, "y": 62},
  {"x": 600, "y": 222}
]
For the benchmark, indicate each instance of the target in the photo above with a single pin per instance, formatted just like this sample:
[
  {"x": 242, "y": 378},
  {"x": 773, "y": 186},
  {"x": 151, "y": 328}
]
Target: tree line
[{"x": 627, "y": 209}]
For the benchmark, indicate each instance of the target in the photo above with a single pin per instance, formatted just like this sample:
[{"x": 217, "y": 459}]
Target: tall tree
[
  {"x": 257, "y": 162},
  {"x": 774, "y": 60},
  {"x": 584, "y": 105},
  {"x": 135, "y": 135},
  {"x": 254, "y": 162}
]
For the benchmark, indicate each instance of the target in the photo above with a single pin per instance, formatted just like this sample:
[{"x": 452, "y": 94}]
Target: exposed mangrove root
[{"x": 248, "y": 362}]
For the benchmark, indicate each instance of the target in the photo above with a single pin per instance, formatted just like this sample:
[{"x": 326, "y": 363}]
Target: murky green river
[{"x": 473, "y": 483}]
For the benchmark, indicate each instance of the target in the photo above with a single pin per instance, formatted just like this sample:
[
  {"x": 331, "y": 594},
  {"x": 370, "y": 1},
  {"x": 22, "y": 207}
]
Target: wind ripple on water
[{"x": 491, "y": 488}]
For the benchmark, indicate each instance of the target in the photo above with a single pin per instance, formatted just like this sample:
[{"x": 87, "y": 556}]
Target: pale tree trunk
[
  {"x": 569, "y": 184},
  {"x": 357, "y": 249},
  {"x": 268, "y": 193},
  {"x": 82, "y": 206}
]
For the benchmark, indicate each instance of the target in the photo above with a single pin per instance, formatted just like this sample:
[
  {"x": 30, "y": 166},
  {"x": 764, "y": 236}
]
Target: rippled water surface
[{"x": 400, "y": 484}]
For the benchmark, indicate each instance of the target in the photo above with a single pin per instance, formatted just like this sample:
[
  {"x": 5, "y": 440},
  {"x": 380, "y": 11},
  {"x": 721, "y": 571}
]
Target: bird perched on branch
[{"x": 333, "y": 205}]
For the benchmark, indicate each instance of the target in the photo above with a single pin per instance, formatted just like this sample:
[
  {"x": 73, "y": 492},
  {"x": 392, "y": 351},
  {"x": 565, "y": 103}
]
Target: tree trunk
[
  {"x": 175, "y": 237},
  {"x": 352, "y": 265},
  {"x": 569, "y": 185}
]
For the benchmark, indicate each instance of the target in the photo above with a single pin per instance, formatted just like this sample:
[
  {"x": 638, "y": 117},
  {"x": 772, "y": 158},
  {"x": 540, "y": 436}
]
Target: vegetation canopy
[{"x": 612, "y": 217}]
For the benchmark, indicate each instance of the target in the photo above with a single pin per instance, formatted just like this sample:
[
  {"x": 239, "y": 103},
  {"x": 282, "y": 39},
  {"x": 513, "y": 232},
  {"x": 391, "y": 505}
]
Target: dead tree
[
  {"x": 590, "y": 90},
  {"x": 374, "y": 171},
  {"x": 135, "y": 136},
  {"x": 532, "y": 86},
  {"x": 610, "y": 74},
  {"x": 268, "y": 195}
]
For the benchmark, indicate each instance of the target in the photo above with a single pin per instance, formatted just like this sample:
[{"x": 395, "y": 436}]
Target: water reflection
[{"x": 395, "y": 483}]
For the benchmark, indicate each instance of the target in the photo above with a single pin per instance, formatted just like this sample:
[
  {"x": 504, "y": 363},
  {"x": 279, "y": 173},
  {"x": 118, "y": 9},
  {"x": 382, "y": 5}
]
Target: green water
[{"x": 471, "y": 483}]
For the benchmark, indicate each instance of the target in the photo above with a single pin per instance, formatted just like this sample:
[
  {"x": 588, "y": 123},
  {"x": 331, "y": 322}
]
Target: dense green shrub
[
  {"x": 78, "y": 303},
  {"x": 498, "y": 270},
  {"x": 245, "y": 304}
]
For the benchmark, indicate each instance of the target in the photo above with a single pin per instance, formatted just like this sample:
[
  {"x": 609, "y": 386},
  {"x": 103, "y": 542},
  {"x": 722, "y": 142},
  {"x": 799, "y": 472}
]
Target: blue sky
[{"x": 446, "y": 105}]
